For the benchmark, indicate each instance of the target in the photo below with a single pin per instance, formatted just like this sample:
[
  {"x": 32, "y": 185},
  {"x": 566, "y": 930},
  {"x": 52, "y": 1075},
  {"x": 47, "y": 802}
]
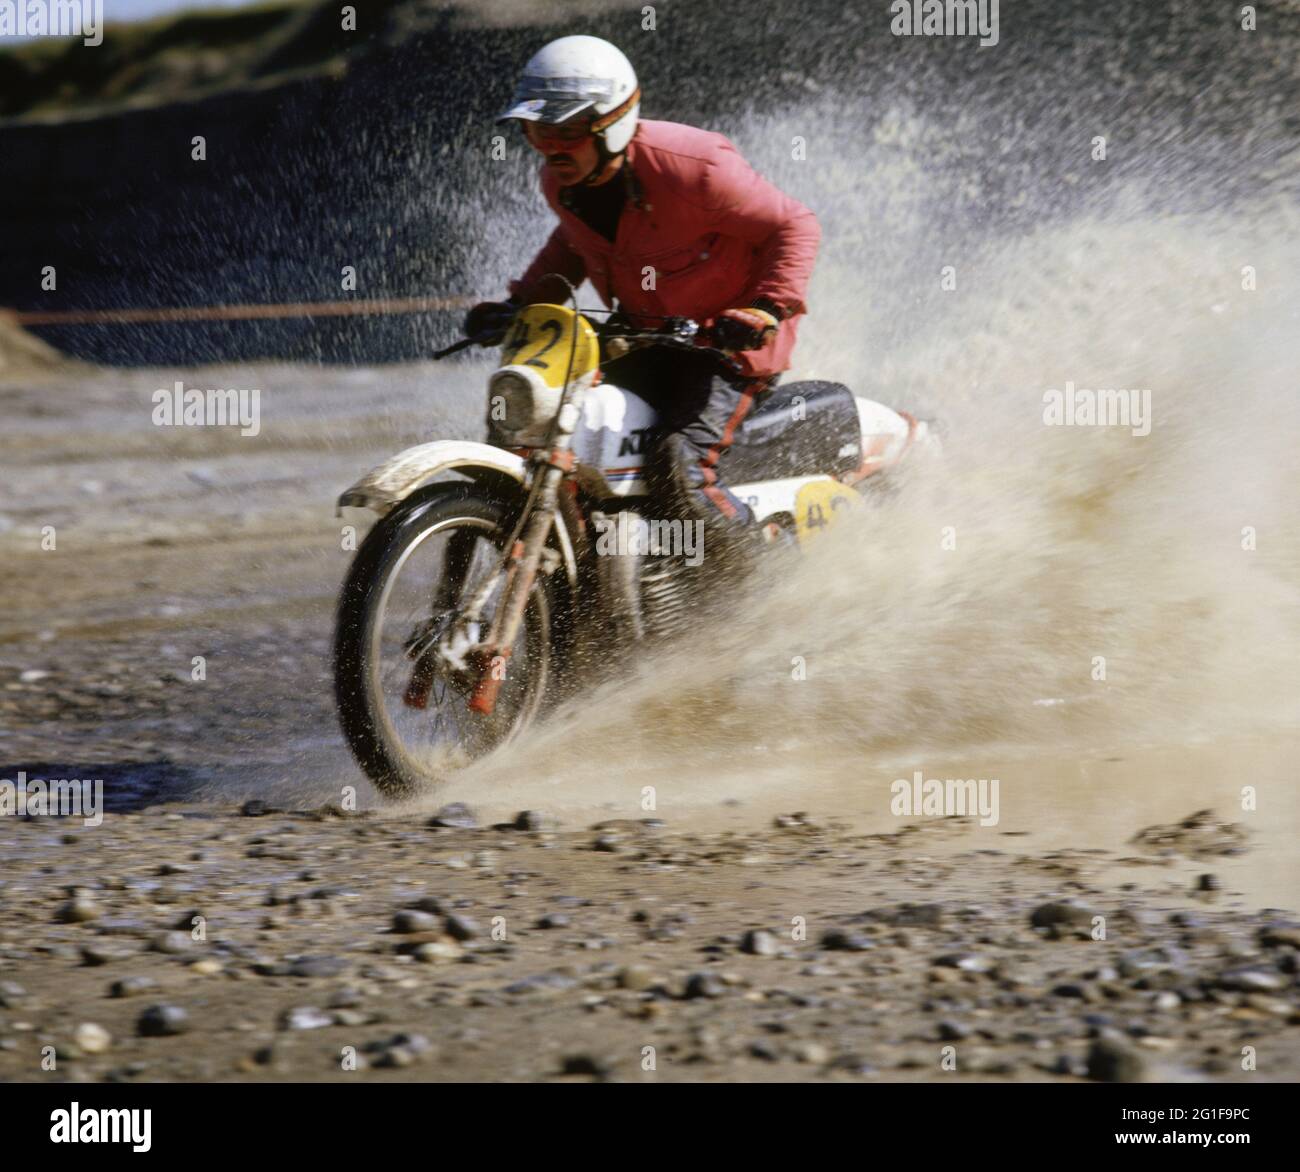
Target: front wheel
[{"x": 402, "y": 680}]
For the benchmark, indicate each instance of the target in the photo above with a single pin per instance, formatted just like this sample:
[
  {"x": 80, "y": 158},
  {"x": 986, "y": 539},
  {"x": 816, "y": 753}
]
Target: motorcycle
[{"x": 483, "y": 592}]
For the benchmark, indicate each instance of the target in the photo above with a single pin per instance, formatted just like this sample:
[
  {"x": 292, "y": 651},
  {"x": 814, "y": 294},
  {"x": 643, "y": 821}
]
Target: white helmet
[{"x": 575, "y": 74}]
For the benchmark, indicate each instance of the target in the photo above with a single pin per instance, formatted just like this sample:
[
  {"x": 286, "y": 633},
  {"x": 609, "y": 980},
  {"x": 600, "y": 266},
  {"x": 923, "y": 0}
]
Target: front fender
[
  {"x": 396, "y": 478},
  {"x": 384, "y": 487}
]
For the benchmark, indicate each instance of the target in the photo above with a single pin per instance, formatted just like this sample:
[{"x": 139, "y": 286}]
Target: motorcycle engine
[{"x": 665, "y": 605}]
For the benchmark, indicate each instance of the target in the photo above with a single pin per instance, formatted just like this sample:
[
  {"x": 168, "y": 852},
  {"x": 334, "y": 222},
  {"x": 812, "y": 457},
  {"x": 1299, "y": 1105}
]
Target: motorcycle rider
[{"x": 667, "y": 220}]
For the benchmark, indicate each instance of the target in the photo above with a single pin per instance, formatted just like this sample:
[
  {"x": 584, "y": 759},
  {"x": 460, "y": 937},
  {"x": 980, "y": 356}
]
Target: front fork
[{"x": 553, "y": 464}]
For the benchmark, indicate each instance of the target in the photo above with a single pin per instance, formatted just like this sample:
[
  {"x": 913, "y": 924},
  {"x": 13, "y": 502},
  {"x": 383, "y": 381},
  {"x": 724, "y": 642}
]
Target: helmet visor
[{"x": 553, "y": 100}]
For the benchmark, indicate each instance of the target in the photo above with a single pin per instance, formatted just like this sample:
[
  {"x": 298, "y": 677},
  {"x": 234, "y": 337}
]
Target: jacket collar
[{"x": 632, "y": 185}]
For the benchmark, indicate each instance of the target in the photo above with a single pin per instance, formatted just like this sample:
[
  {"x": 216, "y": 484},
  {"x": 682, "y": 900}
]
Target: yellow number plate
[
  {"x": 543, "y": 337},
  {"x": 817, "y": 505}
]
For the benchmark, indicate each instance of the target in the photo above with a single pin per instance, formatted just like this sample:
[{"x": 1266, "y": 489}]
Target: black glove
[
  {"x": 743, "y": 329},
  {"x": 489, "y": 317}
]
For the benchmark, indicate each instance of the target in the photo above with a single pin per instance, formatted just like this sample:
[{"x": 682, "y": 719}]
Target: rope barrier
[{"x": 81, "y": 317}]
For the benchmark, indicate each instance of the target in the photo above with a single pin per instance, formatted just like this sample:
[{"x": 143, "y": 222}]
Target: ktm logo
[{"x": 636, "y": 442}]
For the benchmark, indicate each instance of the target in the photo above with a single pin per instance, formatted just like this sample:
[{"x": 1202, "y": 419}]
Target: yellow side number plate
[{"x": 817, "y": 506}]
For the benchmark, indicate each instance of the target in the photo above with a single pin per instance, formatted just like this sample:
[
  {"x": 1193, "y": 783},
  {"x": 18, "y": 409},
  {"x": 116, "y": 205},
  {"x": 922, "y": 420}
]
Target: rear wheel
[{"x": 401, "y": 680}]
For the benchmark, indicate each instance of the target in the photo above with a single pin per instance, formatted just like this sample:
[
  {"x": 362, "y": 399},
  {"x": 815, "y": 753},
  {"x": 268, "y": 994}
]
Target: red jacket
[{"x": 715, "y": 232}]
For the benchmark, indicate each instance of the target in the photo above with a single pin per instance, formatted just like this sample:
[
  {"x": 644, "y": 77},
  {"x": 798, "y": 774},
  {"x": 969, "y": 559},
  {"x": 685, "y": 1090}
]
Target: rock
[
  {"x": 586, "y": 1063},
  {"x": 12, "y": 994},
  {"x": 305, "y": 1017},
  {"x": 1049, "y": 915},
  {"x": 173, "y": 943},
  {"x": 79, "y": 910},
  {"x": 810, "y": 1053},
  {"x": 791, "y": 821},
  {"x": 462, "y": 927},
  {"x": 837, "y": 940},
  {"x": 455, "y": 816},
  {"x": 967, "y": 962},
  {"x": 409, "y": 921},
  {"x": 401, "y": 1050},
  {"x": 530, "y": 821},
  {"x": 1280, "y": 936},
  {"x": 96, "y": 953},
  {"x": 1209, "y": 883},
  {"x": 607, "y": 844},
  {"x": 635, "y": 977},
  {"x": 703, "y": 984},
  {"x": 132, "y": 986},
  {"x": 162, "y": 1021},
  {"x": 540, "y": 983},
  {"x": 554, "y": 920},
  {"x": 254, "y": 808},
  {"x": 317, "y": 966},
  {"x": 1110, "y": 1060},
  {"x": 92, "y": 1038},
  {"x": 759, "y": 942},
  {"x": 1251, "y": 981},
  {"x": 953, "y": 1031},
  {"x": 438, "y": 952}
]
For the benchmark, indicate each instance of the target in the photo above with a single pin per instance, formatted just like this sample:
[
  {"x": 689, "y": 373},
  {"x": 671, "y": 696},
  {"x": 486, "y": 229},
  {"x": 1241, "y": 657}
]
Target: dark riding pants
[{"x": 701, "y": 406}]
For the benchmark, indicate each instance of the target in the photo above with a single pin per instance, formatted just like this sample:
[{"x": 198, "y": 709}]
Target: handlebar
[{"x": 676, "y": 333}]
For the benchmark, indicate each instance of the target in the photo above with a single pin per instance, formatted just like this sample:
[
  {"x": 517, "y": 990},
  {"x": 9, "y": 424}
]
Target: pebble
[
  {"x": 162, "y": 1021},
  {"x": 810, "y": 1053},
  {"x": 407, "y": 922},
  {"x": 703, "y": 984},
  {"x": 1049, "y": 915},
  {"x": 635, "y": 977},
  {"x": 967, "y": 962},
  {"x": 92, "y": 1038},
  {"x": 586, "y": 1063},
  {"x": 455, "y": 816},
  {"x": 438, "y": 952},
  {"x": 401, "y": 1050},
  {"x": 462, "y": 927},
  {"x": 759, "y": 942},
  {"x": 173, "y": 943},
  {"x": 79, "y": 910},
  {"x": 1251, "y": 981},
  {"x": 1110, "y": 1060},
  {"x": 305, "y": 1017},
  {"x": 11, "y": 994},
  {"x": 132, "y": 986},
  {"x": 95, "y": 954},
  {"x": 837, "y": 940},
  {"x": 317, "y": 966}
]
